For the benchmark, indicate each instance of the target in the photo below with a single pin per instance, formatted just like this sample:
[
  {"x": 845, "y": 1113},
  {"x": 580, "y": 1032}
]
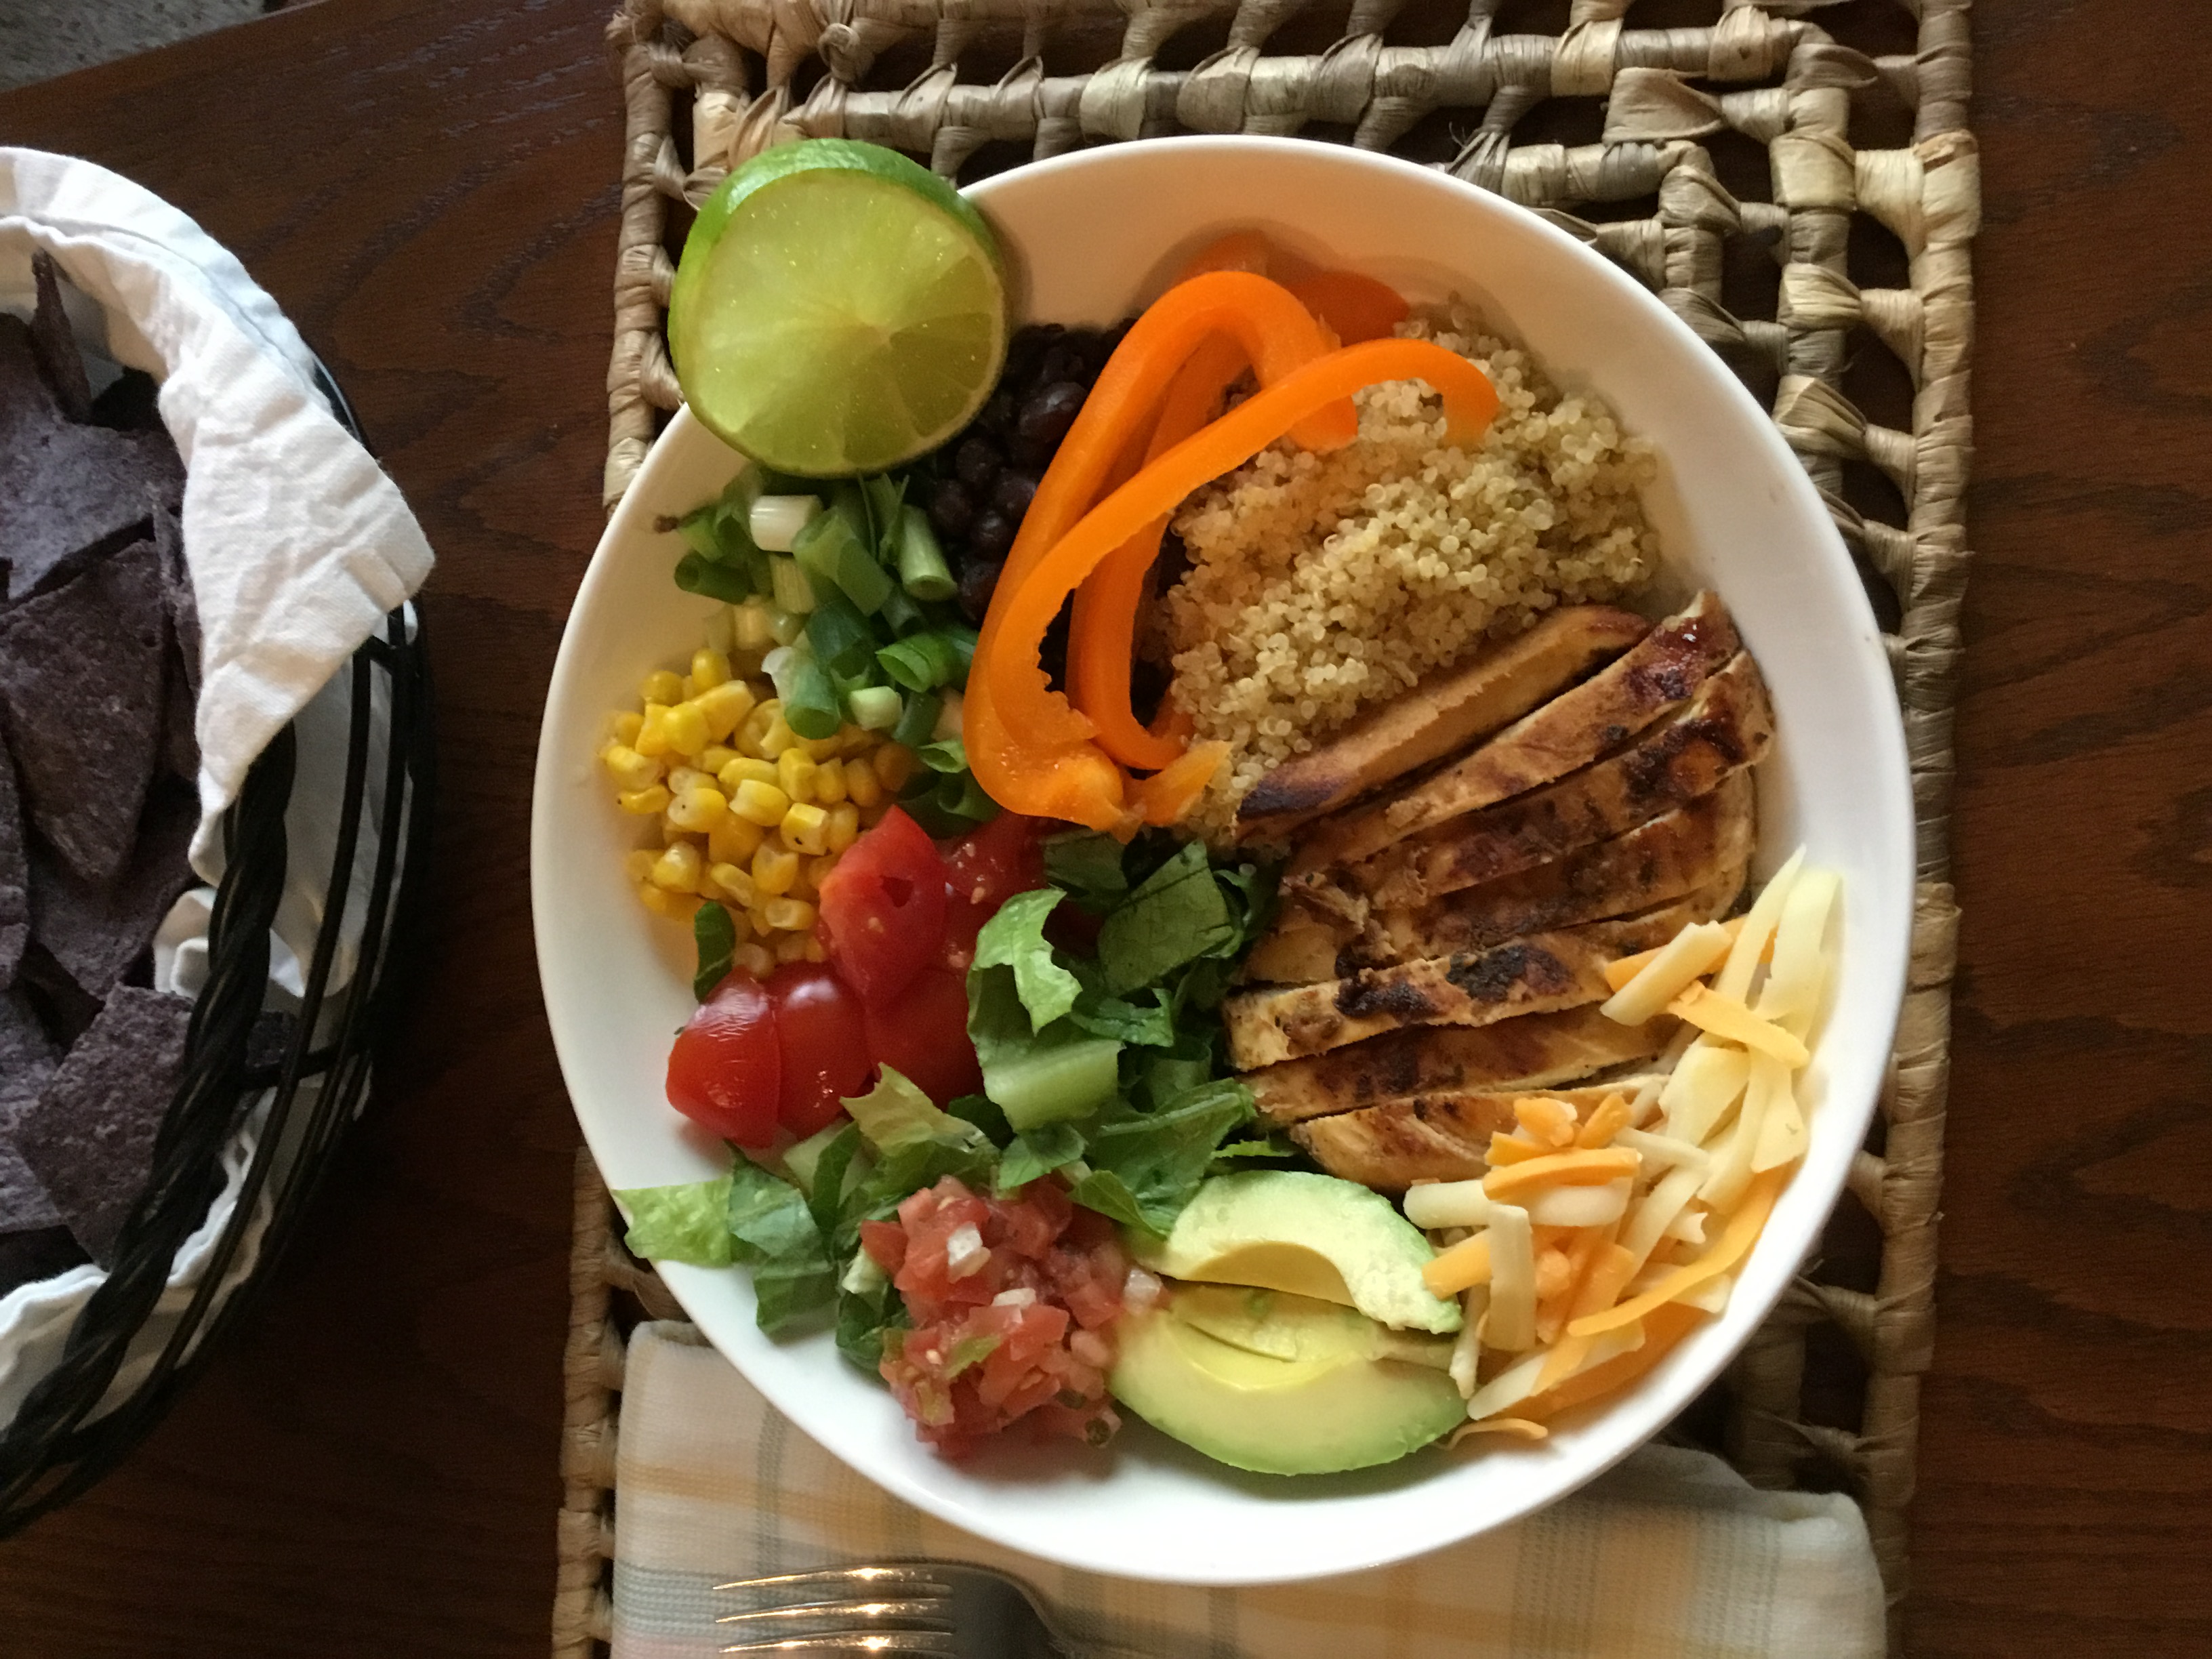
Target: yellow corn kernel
[
  {"x": 812, "y": 872},
  {"x": 745, "y": 767},
  {"x": 775, "y": 870},
  {"x": 624, "y": 725},
  {"x": 844, "y": 828},
  {"x": 756, "y": 918},
  {"x": 661, "y": 901},
  {"x": 714, "y": 756},
  {"x": 652, "y": 739},
  {"x": 638, "y": 865},
  {"x": 861, "y": 787},
  {"x": 829, "y": 783},
  {"x": 710, "y": 668},
  {"x": 872, "y": 816},
  {"x": 760, "y": 803},
  {"x": 734, "y": 840},
  {"x": 629, "y": 769},
  {"x": 671, "y": 831},
  {"x": 778, "y": 738},
  {"x": 794, "y": 771},
  {"x": 791, "y": 947},
  {"x": 661, "y": 686},
  {"x": 790, "y": 915},
  {"x": 755, "y": 726},
  {"x": 646, "y": 803},
  {"x": 685, "y": 727},
  {"x": 823, "y": 749},
  {"x": 756, "y": 959},
  {"x": 816, "y": 950},
  {"x": 735, "y": 881},
  {"x": 681, "y": 778},
  {"x": 678, "y": 868},
  {"x": 698, "y": 810},
  {"x": 894, "y": 765},
  {"x": 806, "y": 828},
  {"x": 727, "y": 705}
]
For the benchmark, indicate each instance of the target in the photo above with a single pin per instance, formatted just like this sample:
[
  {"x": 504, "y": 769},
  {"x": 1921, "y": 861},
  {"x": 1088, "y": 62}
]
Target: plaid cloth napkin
[{"x": 1670, "y": 1556}]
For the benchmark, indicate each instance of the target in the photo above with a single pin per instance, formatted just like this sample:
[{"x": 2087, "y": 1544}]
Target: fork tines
[{"x": 887, "y": 1610}]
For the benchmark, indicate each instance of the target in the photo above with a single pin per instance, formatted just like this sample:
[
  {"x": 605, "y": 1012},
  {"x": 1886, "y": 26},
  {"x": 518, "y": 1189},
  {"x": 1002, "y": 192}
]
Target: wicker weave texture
[{"x": 1832, "y": 272}]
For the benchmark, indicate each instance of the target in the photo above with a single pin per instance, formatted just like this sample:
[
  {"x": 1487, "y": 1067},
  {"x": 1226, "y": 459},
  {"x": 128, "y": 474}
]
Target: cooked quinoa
[{"x": 1321, "y": 584}]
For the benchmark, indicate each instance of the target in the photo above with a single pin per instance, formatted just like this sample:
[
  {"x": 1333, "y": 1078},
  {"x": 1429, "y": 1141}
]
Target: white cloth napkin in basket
[
  {"x": 299, "y": 546},
  {"x": 1670, "y": 1556}
]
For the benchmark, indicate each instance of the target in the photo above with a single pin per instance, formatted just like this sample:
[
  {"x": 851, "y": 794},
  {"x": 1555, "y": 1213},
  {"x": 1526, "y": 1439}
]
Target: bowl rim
[{"x": 1888, "y": 978}]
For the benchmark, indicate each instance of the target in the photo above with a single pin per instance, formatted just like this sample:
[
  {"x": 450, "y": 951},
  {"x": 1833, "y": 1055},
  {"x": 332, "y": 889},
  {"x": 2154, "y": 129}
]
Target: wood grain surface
[{"x": 428, "y": 187}]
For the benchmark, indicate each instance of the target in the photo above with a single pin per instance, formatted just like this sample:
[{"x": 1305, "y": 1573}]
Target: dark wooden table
[{"x": 428, "y": 187}]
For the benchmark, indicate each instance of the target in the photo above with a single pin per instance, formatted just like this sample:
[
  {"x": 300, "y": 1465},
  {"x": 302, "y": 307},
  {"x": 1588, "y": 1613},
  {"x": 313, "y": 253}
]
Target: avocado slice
[
  {"x": 1282, "y": 1384},
  {"x": 1312, "y": 1235}
]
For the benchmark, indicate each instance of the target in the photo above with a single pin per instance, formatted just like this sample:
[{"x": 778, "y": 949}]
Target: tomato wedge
[
  {"x": 823, "y": 1042},
  {"x": 725, "y": 1071},
  {"x": 923, "y": 1034},
  {"x": 883, "y": 908},
  {"x": 986, "y": 867}
]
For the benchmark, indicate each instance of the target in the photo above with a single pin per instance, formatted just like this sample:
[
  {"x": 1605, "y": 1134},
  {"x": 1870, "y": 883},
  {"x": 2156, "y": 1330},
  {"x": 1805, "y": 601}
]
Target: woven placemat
[{"x": 1797, "y": 182}]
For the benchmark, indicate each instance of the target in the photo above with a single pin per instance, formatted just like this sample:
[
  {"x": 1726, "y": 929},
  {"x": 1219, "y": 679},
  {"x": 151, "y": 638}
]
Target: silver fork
[{"x": 927, "y": 1607}]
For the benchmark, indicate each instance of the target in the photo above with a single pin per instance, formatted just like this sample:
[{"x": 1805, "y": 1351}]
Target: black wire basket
[{"x": 75, "y": 1426}]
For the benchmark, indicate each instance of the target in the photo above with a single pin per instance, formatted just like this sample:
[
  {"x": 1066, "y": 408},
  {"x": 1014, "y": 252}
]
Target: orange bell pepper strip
[
  {"x": 1240, "y": 250},
  {"x": 1165, "y": 796},
  {"x": 1055, "y": 767},
  {"x": 1103, "y": 640},
  {"x": 1356, "y": 307},
  {"x": 1020, "y": 702},
  {"x": 1277, "y": 335}
]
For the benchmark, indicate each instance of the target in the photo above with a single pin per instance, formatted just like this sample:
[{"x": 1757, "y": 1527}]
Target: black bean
[
  {"x": 1098, "y": 348},
  {"x": 978, "y": 462},
  {"x": 1062, "y": 362},
  {"x": 998, "y": 415},
  {"x": 1046, "y": 414},
  {"x": 1011, "y": 494},
  {"x": 993, "y": 534},
  {"x": 952, "y": 509},
  {"x": 979, "y": 580}
]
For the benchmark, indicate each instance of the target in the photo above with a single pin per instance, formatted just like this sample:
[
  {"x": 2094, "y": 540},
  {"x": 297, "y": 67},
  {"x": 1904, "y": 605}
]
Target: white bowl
[{"x": 1092, "y": 236}]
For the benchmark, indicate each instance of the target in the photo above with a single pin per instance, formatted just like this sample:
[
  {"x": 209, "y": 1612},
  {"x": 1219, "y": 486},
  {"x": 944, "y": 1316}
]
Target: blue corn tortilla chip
[
  {"x": 99, "y": 933},
  {"x": 82, "y": 671},
  {"x": 27, "y": 1060},
  {"x": 63, "y": 1006},
  {"x": 90, "y": 1137},
  {"x": 68, "y": 489},
  {"x": 53, "y": 342},
  {"x": 26, "y": 1258},
  {"x": 14, "y": 875}
]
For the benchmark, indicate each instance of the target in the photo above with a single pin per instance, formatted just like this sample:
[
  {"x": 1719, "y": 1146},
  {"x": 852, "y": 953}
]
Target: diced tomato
[
  {"x": 883, "y": 908},
  {"x": 1012, "y": 1301},
  {"x": 725, "y": 1071},
  {"x": 987, "y": 866},
  {"x": 823, "y": 1042},
  {"x": 923, "y": 1034}
]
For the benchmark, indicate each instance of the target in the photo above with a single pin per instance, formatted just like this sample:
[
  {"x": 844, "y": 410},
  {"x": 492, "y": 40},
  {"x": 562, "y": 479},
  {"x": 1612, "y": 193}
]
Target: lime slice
[{"x": 838, "y": 309}]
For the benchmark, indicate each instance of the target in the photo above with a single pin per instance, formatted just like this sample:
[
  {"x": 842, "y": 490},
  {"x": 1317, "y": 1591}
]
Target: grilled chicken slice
[
  {"x": 1687, "y": 849},
  {"x": 1432, "y": 1138},
  {"x": 1697, "y": 852},
  {"x": 1537, "y": 1051},
  {"x": 1443, "y": 713},
  {"x": 1660, "y": 673},
  {"x": 1724, "y": 730},
  {"x": 1533, "y": 976}
]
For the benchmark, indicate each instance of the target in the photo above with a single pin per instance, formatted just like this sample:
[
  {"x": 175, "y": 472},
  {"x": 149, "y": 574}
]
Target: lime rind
[{"x": 838, "y": 310}]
